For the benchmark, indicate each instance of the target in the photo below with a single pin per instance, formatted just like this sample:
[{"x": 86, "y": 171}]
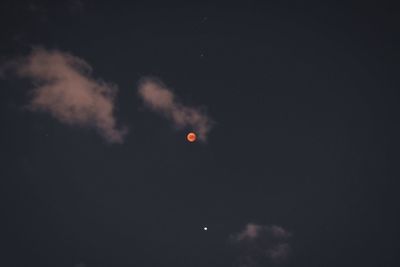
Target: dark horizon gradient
[{"x": 305, "y": 103}]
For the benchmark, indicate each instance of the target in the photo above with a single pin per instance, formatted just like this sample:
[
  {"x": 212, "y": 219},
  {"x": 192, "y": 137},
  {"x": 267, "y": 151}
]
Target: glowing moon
[
  {"x": 191, "y": 137},
  {"x": 205, "y": 228}
]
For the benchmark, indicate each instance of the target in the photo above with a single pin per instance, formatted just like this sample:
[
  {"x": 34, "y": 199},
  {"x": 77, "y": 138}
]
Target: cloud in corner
[
  {"x": 159, "y": 98},
  {"x": 65, "y": 88},
  {"x": 261, "y": 245}
]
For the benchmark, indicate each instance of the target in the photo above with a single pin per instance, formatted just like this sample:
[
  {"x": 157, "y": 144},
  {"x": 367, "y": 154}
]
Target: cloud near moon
[
  {"x": 65, "y": 89},
  {"x": 162, "y": 100}
]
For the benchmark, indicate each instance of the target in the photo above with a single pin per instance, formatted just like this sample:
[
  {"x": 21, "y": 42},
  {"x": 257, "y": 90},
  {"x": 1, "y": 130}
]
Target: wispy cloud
[
  {"x": 159, "y": 98},
  {"x": 65, "y": 88},
  {"x": 261, "y": 245}
]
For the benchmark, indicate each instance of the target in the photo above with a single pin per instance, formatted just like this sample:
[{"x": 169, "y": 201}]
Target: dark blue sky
[{"x": 305, "y": 103}]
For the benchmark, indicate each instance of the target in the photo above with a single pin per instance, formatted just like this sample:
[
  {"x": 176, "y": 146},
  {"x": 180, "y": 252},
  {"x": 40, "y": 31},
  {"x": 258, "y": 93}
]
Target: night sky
[{"x": 298, "y": 164}]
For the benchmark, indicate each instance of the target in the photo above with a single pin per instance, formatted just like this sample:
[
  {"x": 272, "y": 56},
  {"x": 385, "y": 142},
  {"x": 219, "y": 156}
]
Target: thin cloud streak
[{"x": 162, "y": 100}]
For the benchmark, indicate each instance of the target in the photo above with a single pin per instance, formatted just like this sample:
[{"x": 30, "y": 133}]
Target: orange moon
[{"x": 191, "y": 137}]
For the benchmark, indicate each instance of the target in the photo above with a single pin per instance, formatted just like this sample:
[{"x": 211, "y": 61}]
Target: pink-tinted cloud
[
  {"x": 162, "y": 100},
  {"x": 261, "y": 244},
  {"x": 253, "y": 231},
  {"x": 65, "y": 89}
]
